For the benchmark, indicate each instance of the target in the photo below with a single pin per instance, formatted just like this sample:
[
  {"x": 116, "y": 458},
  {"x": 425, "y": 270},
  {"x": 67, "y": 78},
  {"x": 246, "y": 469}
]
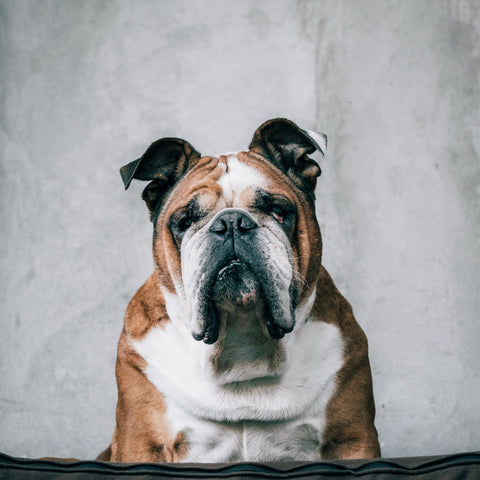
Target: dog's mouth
[
  {"x": 247, "y": 283},
  {"x": 236, "y": 287},
  {"x": 238, "y": 290}
]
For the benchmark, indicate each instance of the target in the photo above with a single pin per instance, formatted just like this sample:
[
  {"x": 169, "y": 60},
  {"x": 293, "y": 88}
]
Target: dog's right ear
[
  {"x": 164, "y": 162},
  {"x": 287, "y": 146}
]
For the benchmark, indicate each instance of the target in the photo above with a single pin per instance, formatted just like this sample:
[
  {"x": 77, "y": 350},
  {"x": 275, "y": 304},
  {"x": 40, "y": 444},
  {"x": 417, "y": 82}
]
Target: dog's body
[{"x": 239, "y": 347}]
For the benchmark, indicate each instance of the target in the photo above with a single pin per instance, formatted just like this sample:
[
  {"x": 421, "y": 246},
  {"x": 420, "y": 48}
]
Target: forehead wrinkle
[{"x": 200, "y": 179}]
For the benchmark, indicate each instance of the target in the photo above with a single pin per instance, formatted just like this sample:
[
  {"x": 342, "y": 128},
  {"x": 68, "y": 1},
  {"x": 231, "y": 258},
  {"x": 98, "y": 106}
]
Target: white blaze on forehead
[{"x": 238, "y": 177}]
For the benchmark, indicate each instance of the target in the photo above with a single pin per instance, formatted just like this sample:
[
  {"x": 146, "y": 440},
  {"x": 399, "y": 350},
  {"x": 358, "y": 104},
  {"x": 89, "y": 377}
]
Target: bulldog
[{"x": 239, "y": 347}]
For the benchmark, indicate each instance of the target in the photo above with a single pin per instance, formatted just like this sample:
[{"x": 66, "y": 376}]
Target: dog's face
[{"x": 235, "y": 233}]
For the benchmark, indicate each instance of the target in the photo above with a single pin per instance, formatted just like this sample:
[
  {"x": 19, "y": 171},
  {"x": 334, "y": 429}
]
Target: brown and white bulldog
[{"x": 239, "y": 347}]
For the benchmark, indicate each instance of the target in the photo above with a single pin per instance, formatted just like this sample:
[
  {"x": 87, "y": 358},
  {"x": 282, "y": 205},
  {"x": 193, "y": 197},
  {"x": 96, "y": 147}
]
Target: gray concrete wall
[{"x": 87, "y": 85}]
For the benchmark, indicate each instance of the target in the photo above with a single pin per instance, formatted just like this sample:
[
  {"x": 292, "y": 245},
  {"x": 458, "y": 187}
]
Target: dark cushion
[{"x": 465, "y": 466}]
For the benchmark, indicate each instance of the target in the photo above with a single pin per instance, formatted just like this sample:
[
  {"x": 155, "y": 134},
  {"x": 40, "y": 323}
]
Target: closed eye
[
  {"x": 183, "y": 221},
  {"x": 278, "y": 213},
  {"x": 183, "y": 218},
  {"x": 277, "y": 206}
]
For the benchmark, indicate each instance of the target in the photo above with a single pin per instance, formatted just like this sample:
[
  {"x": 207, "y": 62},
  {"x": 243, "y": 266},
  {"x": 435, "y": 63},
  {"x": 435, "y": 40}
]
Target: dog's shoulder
[
  {"x": 333, "y": 308},
  {"x": 146, "y": 309}
]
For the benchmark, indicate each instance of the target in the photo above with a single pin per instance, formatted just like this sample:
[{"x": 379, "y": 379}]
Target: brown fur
[
  {"x": 350, "y": 431},
  {"x": 141, "y": 433}
]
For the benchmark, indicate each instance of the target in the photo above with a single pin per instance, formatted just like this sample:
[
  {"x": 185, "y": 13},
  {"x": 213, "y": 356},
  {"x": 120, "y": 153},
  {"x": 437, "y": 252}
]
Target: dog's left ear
[{"x": 286, "y": 145}]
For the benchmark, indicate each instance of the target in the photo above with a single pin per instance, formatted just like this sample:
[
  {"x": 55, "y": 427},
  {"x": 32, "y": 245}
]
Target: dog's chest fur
[
  {"x": 269, "y": 418},
  {"x": 297, "y": 439}
]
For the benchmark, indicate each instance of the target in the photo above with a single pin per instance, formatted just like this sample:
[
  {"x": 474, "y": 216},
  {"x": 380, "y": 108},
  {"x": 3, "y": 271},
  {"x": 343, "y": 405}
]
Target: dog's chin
[
  {"x": 236, "y": 288},
  {"x": 238, "y": 292}
]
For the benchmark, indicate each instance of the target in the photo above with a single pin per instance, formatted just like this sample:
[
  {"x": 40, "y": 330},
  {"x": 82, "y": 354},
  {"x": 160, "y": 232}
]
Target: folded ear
[
  {"x": 164, "y": 162},
  {"x": 286, "y": 145}
]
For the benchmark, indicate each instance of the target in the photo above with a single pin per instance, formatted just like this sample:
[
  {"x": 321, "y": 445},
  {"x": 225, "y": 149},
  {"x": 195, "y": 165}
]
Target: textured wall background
[{"x": 87, "y": 85}]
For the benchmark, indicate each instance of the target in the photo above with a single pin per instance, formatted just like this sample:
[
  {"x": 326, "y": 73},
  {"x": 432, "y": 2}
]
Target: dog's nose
[{"x": 233, "y": 222}]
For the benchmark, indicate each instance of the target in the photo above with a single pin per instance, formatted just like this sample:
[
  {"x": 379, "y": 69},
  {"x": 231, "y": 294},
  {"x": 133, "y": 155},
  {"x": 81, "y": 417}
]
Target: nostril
[
  {"x": 219, "y": 226},
  {"x": 245, "y": 223}
]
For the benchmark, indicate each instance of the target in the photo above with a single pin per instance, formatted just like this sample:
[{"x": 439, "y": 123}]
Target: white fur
[
  {"x": 253, "y": 420},
  {"x": 238, "y": 177}
]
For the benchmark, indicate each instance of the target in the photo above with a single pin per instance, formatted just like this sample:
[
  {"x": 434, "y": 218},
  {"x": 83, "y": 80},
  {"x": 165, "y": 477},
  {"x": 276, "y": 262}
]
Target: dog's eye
[
  {"x": 278, "y": 213},
  {"x": 276, "y": 206},
  {"x": 184, "y": 223},
  {"x": 184, "y": 218},
  {"x": 179, "y": 223}
]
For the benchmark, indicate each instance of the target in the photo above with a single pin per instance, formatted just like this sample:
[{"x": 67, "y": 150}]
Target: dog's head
[{"x": 235, "y": 231}]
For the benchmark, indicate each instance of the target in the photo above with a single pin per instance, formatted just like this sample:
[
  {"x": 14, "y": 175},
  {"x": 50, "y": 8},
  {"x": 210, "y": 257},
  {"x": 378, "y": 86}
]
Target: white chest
[
  {"x": 262, "y": 419},
  {"x": 251, "y": 441}
]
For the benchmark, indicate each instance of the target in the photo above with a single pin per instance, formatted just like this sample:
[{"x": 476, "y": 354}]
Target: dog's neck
[{"x": 245, "y": 350}]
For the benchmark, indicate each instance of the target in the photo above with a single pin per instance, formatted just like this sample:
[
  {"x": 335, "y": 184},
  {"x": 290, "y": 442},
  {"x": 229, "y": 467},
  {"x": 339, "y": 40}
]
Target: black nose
[{"x": 233, "y": 222}]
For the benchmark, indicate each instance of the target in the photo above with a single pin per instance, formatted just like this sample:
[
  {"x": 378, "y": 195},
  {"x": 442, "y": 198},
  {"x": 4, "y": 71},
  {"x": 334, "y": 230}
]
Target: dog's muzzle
[{"x": 239, "y": 276}]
